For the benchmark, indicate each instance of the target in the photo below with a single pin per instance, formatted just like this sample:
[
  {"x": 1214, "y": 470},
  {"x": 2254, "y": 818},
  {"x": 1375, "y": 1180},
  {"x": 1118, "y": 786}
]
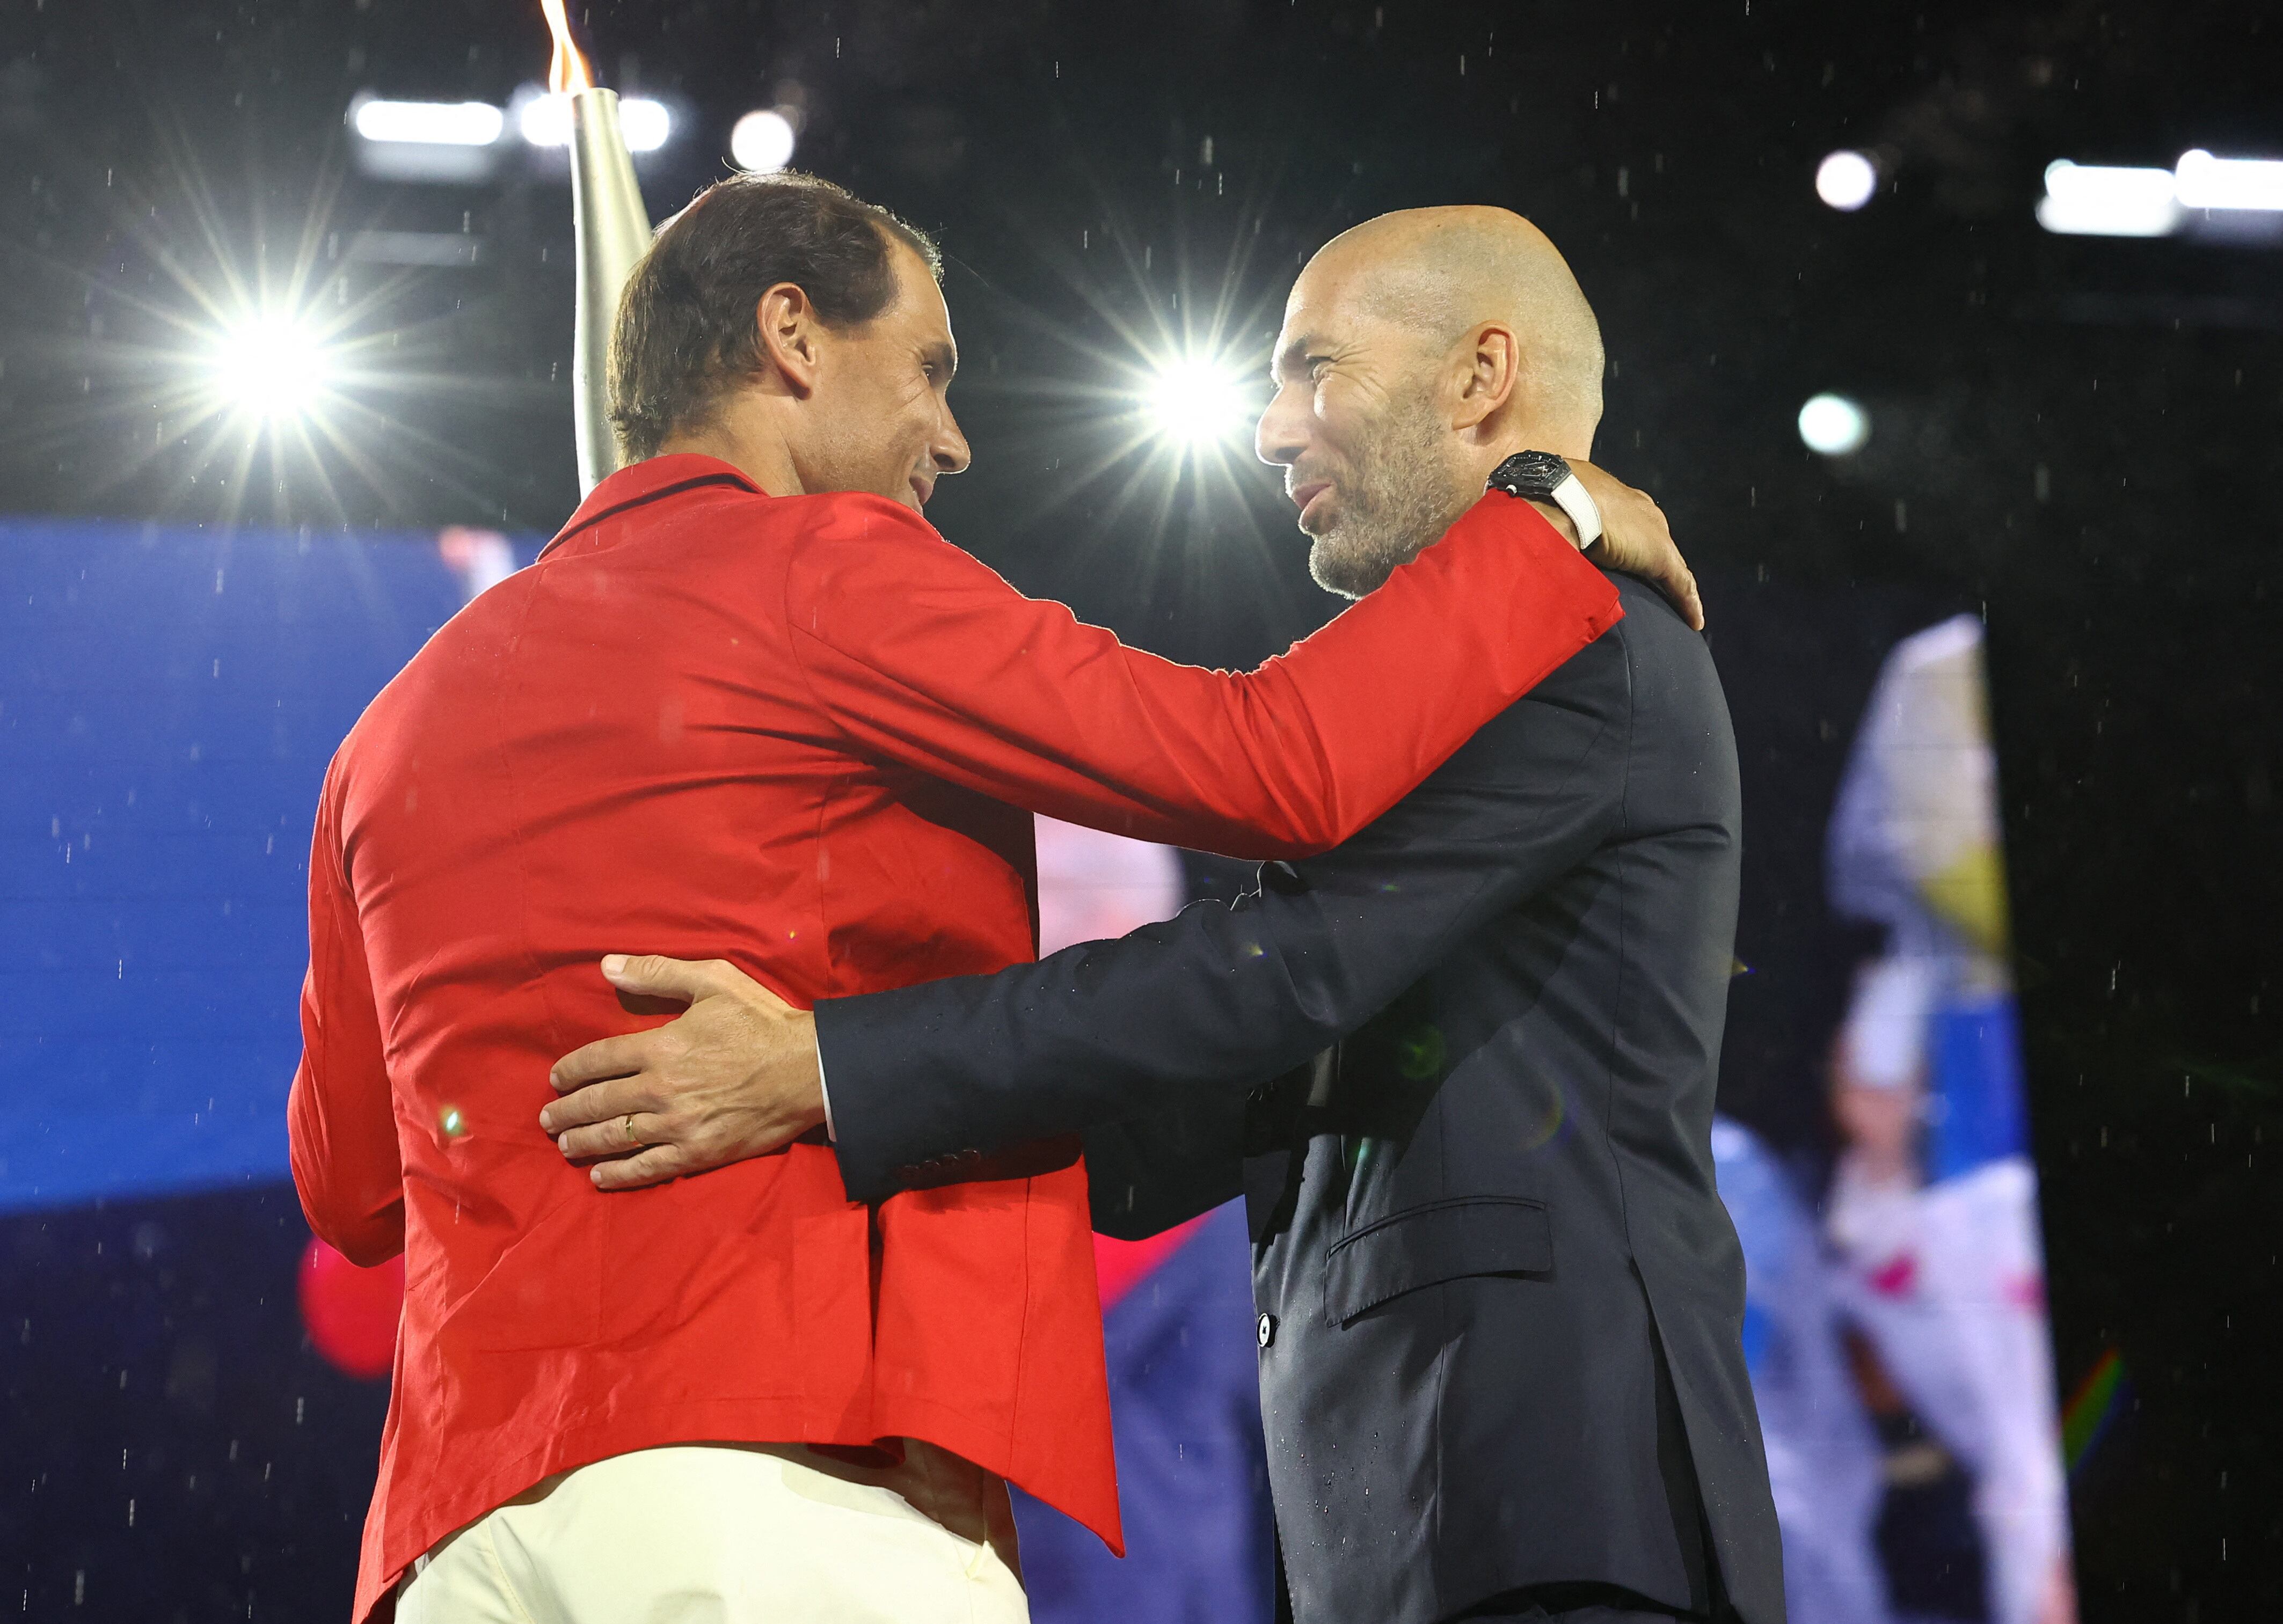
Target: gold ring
[{"x": 629, "y": 1126}]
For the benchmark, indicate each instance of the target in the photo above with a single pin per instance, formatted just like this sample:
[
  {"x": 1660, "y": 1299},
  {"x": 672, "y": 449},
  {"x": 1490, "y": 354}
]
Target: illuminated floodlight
[
  {"x": 2202, "y": 180},
  {"x": 1846, "y": 181},
  {"x": 762, "y": 141},
  {"x": 1197, "y": 401},
  {"x": 430, "y": 123},
  {"x": 645, "y": 123},
  {"x": 270, "y": 367},
  {"x": 2103, "y": 200},
  {"x": 1833, "y": 426},
  {"x": 545, "y": 121}
]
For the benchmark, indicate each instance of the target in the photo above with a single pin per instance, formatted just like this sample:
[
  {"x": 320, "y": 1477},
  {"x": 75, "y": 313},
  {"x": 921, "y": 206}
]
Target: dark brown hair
[{"x": 686, "y": 332}]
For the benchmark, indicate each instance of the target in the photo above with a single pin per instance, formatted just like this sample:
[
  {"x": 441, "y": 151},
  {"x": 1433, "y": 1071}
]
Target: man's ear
[
  {"x": 1489, "y": 366},
  {"x": 788, "y": 326}
]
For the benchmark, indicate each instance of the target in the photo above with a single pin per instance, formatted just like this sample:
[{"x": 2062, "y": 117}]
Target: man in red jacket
[{"x": 748, "y": 702}]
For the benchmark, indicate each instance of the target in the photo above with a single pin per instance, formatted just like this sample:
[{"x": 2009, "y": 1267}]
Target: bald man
[{"x": 1499, "y": 1301}]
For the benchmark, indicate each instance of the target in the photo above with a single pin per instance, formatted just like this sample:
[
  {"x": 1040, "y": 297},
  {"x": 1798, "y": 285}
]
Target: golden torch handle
[{"x": 613, "y": 231}]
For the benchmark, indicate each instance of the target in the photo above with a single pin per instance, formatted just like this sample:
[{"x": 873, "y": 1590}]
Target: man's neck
[
  {"x": 1567, "y": 444},
  {"x": 748, "y": 447}
]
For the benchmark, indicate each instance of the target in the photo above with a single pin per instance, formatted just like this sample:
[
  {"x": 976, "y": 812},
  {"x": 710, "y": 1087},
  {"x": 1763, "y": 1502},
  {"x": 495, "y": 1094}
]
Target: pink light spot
[{"x": 1897, "y": 1276}]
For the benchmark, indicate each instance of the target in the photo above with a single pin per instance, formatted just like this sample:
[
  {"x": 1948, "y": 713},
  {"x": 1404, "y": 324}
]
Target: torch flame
[{"x": 567, "y": 69}]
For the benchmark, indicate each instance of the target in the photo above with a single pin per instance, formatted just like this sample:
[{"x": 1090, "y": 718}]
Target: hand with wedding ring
[{"x": 735, "y": 1075}]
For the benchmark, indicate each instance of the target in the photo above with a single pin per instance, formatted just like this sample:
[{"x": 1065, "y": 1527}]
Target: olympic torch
[{"x": 611, "y": 230}]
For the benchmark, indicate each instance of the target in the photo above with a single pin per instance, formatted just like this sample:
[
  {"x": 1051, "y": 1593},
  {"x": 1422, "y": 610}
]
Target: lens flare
[
  {"x": 1199, "y": 400},
  {"x": 270, "y": 367}
]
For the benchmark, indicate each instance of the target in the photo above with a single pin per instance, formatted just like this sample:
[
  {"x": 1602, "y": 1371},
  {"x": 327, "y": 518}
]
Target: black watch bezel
[{"x": 1531, "y": 475}]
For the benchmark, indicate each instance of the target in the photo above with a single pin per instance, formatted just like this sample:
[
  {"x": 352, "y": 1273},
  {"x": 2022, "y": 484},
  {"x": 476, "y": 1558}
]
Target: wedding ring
[{"x": 629, "y": 1126}]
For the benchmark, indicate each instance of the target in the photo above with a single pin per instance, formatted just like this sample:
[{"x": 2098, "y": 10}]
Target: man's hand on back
[
  {"x": 733, "y": 1075},
  {"x": 1636, "y": 539}
]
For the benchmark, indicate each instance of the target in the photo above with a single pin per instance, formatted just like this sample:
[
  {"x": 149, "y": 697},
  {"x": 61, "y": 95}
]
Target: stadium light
[
  {"x": 2101, "y": 200},
  {"x": 545, "y": 121},
  {"x": 453, "y": 143},
  {"x": 647, "y": 124},
  {"x": 1197, "y": 401},
  {"x": 762, "y": 141},
  {"x": 270, "y": 367},
  {"x": 1833, "y": 426},
  {"x": 430, "y": 123},
  {"x": 1846, "y": 181},
  {"x": 2202, "y": 180}
]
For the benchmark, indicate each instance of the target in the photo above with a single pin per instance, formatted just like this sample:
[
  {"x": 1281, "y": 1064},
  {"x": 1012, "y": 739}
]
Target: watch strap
[{"x": 1573, "y": 498}]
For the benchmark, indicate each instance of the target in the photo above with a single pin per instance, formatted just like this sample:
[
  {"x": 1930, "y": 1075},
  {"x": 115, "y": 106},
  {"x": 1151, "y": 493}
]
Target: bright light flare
[
  {"x": 2105, "y": 200},
  {"x": 646, "y": 124},
  {"x": 271, "y": 367},
  {"x": 1834, "y": 425},
  {"x": 2202, "y": 181},
  {"x": 430, "y": 123},
  {"x": 1198, "y": 401},
  {"x": 545, "y": 121},
  {"x": 762, "y": 143},
  {"x": 1846, "y": 181}
]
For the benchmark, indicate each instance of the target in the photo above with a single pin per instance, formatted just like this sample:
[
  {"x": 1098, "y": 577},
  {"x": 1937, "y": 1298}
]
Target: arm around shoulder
[
  {"x": 1208, "y": 1005},
  {"x": 921, "y": 653}
]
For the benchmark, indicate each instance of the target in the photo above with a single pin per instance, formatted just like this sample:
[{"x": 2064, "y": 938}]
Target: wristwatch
[{"x": 1541, "y": 476}]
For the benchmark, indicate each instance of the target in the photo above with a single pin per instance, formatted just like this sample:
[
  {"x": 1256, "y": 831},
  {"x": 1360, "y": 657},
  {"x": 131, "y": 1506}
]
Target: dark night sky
[{"x": 2076, "y": 436}]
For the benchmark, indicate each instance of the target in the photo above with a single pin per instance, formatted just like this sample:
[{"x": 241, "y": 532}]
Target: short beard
[{"x": 1402, "y": 495}]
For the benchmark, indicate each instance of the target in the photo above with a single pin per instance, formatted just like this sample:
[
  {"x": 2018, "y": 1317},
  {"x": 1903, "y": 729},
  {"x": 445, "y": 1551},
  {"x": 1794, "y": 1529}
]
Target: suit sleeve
[
  {"x": 922, "y": 655},
  {"x": 1177, "y": 1016},
  {"x": 342, "y": 1129}
]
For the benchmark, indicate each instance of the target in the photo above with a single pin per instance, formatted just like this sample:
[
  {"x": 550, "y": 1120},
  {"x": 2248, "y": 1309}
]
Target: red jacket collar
[{"x": 641, "y": 482}]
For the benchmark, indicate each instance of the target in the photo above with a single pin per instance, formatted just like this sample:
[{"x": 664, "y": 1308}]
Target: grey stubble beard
[{"x": 1404, "y": 494}]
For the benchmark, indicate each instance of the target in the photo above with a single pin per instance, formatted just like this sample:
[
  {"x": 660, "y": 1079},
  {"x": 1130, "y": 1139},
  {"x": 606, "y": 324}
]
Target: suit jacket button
[{"x": 1268, "y": 1329}]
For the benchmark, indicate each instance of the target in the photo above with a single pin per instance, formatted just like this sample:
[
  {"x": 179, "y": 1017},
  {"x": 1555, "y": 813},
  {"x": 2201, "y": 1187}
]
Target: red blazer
[{"x": 805, "y": 734}]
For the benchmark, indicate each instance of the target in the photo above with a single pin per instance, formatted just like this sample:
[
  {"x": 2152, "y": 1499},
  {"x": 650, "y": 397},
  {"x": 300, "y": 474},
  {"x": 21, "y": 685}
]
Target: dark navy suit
[{"x": 1500, "y": 1303}]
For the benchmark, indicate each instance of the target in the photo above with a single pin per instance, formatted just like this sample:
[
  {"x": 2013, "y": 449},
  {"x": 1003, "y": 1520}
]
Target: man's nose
[
  {"x": 949, "y": 452},
  {"x": 1283, "y": 431}
]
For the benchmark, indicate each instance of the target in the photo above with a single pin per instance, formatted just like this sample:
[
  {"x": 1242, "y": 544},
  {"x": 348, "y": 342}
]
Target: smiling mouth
[{"x": 1305, "y": 496}]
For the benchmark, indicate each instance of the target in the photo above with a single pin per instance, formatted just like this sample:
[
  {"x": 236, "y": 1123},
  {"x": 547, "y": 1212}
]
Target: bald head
[
  {"x": 1419, "y": 350},
  {"x": 1443, "y": 272}
]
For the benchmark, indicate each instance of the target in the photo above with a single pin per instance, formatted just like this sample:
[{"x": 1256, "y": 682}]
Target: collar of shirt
[{"x": 645, "y": 482}]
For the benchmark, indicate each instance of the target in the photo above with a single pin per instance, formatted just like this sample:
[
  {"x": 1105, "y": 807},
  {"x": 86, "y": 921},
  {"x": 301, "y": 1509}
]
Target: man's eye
[{"x": 1316, "y": 365}]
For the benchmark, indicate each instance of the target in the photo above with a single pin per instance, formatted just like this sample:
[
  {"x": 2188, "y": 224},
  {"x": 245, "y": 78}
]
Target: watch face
[{"x": 1530, "y": 473}]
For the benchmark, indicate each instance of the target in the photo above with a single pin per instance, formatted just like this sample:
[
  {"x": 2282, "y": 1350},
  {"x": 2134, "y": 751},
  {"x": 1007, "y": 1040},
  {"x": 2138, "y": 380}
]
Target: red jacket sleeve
[
  {"x": 920, "y": 653},
  {"x": 340, "y": 1128}
]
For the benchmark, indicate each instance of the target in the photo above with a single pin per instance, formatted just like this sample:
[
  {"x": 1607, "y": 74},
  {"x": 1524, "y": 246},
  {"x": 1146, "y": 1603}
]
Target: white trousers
[{"x": 733, "y": 1534}]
